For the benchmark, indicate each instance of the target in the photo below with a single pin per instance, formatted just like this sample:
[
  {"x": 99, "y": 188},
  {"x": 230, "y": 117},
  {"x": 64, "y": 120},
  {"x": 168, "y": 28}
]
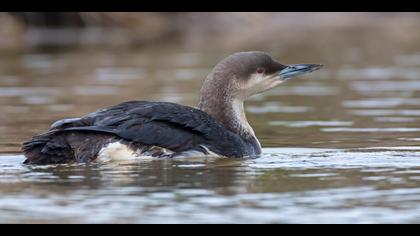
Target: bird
[{"x": 216, "y": 127}]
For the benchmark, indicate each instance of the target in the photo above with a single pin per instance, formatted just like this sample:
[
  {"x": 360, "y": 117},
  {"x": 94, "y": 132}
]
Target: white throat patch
[
  {"x": 239, "y": 113},
  {"x": 259, "y": 83}
]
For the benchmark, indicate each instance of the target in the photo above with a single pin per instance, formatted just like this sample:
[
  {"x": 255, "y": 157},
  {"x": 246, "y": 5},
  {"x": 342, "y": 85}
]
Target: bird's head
[{"x": 247, "y": 73}]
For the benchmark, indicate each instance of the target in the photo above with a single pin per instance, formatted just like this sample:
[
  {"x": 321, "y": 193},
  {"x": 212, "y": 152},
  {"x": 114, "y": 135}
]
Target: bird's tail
[{"x": 58, "y": 147}]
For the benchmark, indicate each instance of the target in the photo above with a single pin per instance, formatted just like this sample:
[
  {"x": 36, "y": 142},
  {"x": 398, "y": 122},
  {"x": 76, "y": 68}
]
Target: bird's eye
[{"x": 260, "y": 70}]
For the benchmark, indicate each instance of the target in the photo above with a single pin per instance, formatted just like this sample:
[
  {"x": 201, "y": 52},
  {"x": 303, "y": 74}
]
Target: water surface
[{"x": 341, "y": 144}]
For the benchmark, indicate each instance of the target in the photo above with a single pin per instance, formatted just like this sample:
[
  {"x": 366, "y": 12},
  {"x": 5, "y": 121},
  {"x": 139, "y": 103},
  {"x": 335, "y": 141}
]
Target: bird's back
[{"x": 140, "y": 125}]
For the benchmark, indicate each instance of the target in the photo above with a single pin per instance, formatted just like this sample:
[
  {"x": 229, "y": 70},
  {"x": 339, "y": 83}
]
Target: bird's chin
[{"x": 270, "y": 84}]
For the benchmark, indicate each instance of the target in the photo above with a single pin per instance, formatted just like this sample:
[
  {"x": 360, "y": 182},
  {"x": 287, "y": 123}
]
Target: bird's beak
[{"x": 297, "y": 69}]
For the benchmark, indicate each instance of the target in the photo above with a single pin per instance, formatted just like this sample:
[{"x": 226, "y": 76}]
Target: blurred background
[
  {"x": 340, "y": 145},
  {"x": 65, "y": 64}
]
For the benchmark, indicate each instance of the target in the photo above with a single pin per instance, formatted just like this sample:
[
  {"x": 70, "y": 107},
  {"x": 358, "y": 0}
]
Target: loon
[{"x": 218, "y": 126}]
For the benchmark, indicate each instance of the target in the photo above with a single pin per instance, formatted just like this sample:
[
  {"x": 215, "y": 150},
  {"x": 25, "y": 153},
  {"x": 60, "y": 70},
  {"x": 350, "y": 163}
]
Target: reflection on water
[
  {"x": 380, "y": 73},
  {"x": 285, "y": 185},
  {"x": 358, "y": 122},
  {"x": 381, "y": 102},
  {"x": 311, "y": 123}
]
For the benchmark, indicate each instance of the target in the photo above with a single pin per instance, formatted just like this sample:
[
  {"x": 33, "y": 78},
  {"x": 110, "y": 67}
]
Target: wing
[{"x": 163, "y": 124}]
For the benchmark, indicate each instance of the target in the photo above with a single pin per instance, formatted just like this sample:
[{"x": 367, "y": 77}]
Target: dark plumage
[
  {"x": 141, "y": 124},
  {"x": 218, "y": 125}
]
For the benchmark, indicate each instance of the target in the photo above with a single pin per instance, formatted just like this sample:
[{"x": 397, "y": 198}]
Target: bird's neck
[{"x": 219, "y": 103}]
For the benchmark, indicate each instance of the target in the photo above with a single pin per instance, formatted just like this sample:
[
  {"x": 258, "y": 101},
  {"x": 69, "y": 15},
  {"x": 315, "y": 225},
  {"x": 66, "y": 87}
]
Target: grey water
[{"x": 341, "y": 145}]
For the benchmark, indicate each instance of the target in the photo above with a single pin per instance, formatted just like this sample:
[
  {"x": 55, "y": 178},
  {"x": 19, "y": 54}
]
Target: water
[
  {"x": 285, "y": 185},
  {"x": 341, "y": 145}
]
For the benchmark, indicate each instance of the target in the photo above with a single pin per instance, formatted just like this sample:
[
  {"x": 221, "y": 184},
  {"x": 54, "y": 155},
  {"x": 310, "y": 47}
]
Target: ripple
[
  {"x": 396, "y": 119},
  {"x": 192, "y": 165},
  {"x": 14, "y": 109},
  {"x": 163, "y": 192},
  {"x": 37, "y": 61},
  {"x": 182, "y": 74},
  {"x": 299, "y": 124},
  {"x": 117, "y": 75},
  {"x": 391, "y": 148},
  {"x": 94, "y": 90},
  {"x": 187, "y": 59},
  {"x": 384, "y": 86},
  {"x": 37, "y": 100},
  {"x": 314, "y": 175},
  {"x": 394, "y": 129},
  {"x": 29, "y": 91},
  {"x": 308, "y": 158},
  {"x": 385, "y": 112},
  {"x": 380, "y": 102},
  {"x": 408, "y": 60},
  {"x": 305, "y": 91},
  {"x": 9, "y": 80},
  {"x": 378, "y": 73},
  {"x": 60, "y": 107},
  {"x": 410, "y": 139},
  {"x": 277, "y": 108}
]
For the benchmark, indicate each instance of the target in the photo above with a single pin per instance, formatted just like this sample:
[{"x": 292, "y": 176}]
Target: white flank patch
[
  {"x": 116, "y": 152},
  {"x": 121, "y": 152}
]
